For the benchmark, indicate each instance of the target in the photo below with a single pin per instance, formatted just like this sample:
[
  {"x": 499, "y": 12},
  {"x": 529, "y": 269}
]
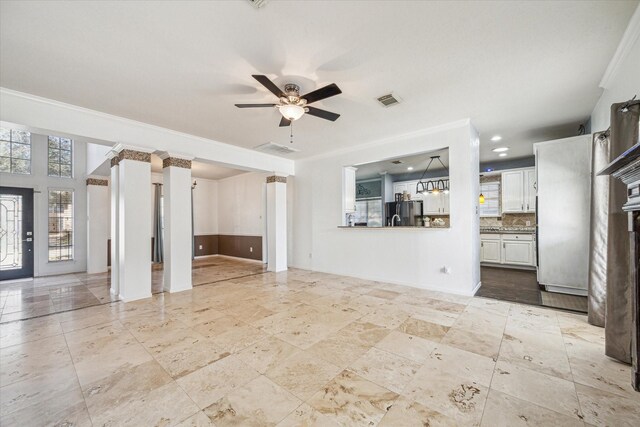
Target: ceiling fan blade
[
  {"x": 323, "y": 114},
  {"x": 284, "y": 122},
  {"x": 264, "y": 81},
  {"x": 254, "y": 105},
  {"x": 322, "y": 93}
]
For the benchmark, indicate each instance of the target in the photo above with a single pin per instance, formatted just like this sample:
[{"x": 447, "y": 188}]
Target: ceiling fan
[{"x": 291, "y": 105}]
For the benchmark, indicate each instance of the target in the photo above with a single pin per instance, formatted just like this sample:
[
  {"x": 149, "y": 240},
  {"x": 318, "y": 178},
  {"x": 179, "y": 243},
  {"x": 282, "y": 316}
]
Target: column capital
[
  {"x": 130, "y": 152},
  {"x": 97, "y": 181},
  {"x": 175, "y": 160},
  {"x": 276, "y": 178}
]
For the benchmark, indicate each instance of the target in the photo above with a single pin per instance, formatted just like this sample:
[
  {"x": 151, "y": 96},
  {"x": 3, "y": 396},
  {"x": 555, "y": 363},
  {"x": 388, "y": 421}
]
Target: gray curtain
[
  {"x": 618, "y": 322},
  {"x": 193, "y": 237},
  {"x": 600, "y": 190},
  {"x": 158, "y": 240}
]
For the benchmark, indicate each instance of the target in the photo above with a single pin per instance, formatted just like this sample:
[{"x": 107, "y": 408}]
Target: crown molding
[{"x": 629, "y": 38}]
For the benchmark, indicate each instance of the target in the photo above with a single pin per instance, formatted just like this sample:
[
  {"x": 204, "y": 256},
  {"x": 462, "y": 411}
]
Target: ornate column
[
  {"x": 134, "y": 216},
  {"x": 97, "y": 224},
  {"x": 178, "y": 244},
  {"x": 277, "y": 223},
  {"x": 115, "y": 220}
]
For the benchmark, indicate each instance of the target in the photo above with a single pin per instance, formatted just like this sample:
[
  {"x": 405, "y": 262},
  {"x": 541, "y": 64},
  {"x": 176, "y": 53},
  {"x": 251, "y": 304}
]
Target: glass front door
[{"x": 16, "y": 233}]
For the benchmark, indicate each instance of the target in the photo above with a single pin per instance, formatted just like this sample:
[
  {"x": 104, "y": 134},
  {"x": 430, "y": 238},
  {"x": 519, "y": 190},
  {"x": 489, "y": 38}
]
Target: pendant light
[
  {"x": 433, "y": 186},
  {"x": 481, "y": 198}
]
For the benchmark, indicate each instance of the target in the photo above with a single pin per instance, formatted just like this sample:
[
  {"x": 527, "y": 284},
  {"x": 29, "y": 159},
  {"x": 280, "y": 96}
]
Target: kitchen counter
[{"x": 507, "y": 230}]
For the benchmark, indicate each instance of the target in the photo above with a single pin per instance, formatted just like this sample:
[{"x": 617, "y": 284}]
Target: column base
[{"x": 130, "y": 298}]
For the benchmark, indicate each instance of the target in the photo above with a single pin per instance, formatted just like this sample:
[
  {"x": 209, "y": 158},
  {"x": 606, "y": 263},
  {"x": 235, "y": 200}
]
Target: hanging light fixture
[
  {"x": 481, "y": 198},
  {"x": 433, "y": 186}
]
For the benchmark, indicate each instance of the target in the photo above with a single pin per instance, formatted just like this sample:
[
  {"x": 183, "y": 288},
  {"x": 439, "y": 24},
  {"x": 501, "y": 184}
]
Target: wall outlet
[
  {"x": 446, "y": 270},
  {"x": 250, "y": 248},
  {"x": 528, "y": 223},
  {"x": 200, "y": 247}
]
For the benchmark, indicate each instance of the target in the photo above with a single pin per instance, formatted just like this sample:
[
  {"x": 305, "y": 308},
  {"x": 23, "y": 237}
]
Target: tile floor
[
  {"x": 310, "y": 349},
  {"x": 26, "y": 299}
]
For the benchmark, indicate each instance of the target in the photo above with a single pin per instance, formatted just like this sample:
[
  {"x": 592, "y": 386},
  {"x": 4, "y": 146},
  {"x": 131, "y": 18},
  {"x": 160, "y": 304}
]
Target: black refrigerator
[{"x": 410, "y": 213}]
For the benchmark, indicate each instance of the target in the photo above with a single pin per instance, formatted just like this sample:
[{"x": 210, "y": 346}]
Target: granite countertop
[{"x": 508, "y": 230}]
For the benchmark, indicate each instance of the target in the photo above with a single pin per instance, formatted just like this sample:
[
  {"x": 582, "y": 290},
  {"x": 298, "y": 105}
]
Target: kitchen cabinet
[
  {"x": 399, "y": 187},
  {"x": 508, "y": 249},
  {"x": 349, "y": 189},
  {"x": 490, "y": 250},
  {"x": 518, "y": 191},
  {"x": 436, "y": 204}
]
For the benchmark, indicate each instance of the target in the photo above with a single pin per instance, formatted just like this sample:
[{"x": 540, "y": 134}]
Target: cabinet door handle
[
  {"x": 482, "y": 244},
  {"x": 503, "y": 245},
  {"x": 527, "y": 206},
  {"x": 522, "y": 206}
]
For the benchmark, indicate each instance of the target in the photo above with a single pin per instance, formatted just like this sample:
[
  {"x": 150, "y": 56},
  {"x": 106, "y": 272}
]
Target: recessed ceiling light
[
  {"x": 410, "y": 168},
  {"x": 502, "y": 155},
  {"x": 496, "y": 138},
  {"x": 500, "y": 149}
]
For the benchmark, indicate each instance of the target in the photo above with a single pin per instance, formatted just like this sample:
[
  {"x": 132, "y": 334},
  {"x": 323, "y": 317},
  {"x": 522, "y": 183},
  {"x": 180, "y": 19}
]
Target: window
[
  {"x": 15, "y": 151},
  {"x": 60, "y": 225},
  {"x": 60, "y": 158},
  {"x": 491, "y": 193}
]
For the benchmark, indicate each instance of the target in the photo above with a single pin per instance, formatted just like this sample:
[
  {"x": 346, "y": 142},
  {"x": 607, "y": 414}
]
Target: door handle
[{"x": 28, "y": 239}]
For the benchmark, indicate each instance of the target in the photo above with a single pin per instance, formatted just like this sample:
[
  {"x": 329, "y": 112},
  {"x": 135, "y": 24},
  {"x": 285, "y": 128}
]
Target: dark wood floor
[{"x": 509, "y": 284}]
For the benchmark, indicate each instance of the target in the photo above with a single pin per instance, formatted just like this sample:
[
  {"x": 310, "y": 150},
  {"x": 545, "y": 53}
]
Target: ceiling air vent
[
  {"x": 397, "y": 162},
  {"x": 257, "y": 3},
  {"x": 389, "y": 100},
  {"x": 277, "y": 149}
]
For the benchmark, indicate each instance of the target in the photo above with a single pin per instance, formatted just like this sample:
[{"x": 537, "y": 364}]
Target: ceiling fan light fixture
[{"x": 291, "y": 112}]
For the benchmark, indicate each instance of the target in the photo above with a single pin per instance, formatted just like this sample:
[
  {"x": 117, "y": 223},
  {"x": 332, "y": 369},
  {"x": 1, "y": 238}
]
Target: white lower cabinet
[
  {"x": 509, "y": 249},
  {"x": 490, "y": 250}
]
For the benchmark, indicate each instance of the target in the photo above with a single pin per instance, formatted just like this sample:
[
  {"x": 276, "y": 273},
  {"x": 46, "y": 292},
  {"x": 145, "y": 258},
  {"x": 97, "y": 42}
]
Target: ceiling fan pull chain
[{"x": 291, "y": 135}]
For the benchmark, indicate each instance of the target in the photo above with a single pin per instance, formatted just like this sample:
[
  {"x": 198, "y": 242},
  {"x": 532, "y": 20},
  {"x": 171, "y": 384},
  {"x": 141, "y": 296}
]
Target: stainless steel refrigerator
[
  {"x": 563, "y": 177},
  {"x": 410, "y": 213}
]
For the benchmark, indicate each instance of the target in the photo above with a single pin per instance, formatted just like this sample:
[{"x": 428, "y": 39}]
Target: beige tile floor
[
  {"x": 310, "y": 349},
  {"x": 26, "y": 299}
]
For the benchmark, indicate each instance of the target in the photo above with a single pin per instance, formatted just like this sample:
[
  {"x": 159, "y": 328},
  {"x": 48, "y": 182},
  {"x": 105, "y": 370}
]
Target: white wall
[
  {"x": 404, "y": 256},
  {"x": 42, "y": 183},
  {"x": 205, "y": 205},
  {"x": 622, "y": 81},
  {"x": 241, "y": 204}
]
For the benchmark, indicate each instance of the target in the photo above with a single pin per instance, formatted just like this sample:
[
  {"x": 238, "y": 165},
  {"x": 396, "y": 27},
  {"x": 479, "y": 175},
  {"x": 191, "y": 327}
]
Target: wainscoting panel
[
  {"x": 209, "y": 243},
  {"x": 240, "y": 246},
  {"x": 214, "y": 244}
]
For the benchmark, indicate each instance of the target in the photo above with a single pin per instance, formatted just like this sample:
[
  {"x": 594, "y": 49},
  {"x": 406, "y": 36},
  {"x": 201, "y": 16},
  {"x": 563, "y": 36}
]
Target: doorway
[{"x": 16, "y": 233}]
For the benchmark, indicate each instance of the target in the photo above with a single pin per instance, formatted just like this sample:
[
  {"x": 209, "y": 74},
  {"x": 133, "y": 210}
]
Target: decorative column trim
[
  {"x": 97, "y": 181},
  {"x": 276, "y": 178},
  {"x": 176, "y": 162},
  {"x": 115, "y": 161},
  {"x": 139, "y": 156}
]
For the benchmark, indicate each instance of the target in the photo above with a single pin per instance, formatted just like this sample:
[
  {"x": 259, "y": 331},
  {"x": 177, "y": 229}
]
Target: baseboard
[{"x": 475, "y": 290}]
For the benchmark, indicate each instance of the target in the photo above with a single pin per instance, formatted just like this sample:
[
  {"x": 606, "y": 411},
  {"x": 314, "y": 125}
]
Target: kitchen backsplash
[{"x": 510, "y": 220}]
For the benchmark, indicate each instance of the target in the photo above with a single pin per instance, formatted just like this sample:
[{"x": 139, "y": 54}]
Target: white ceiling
[
  {"x": 528, "y": 71},
  {"x": 417, "y": 161},
  {"x": 200, "y": 169}
]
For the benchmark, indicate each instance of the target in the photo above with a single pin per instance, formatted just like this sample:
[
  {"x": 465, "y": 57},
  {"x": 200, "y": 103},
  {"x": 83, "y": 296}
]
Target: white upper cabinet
[
  {"x": 512, "y": 191},
  {"x": 349, "y": 189},
  {"x": 432, "y": 204},
  {"x": 399, "y": 187},
  {"x": 518, "y": 191},
  {"x": 530, "y": 190}
]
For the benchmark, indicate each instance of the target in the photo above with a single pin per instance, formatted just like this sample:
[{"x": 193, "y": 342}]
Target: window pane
[
  {"x": 54, "y": 142},
  {"x": 65, "y": 144},
  {"x": 60, "y": 225},
  {"x": 20, "y": 166},
  {"x": 54, "y": 169},
  {"x": 65, "y": 171},
  {"x": 20, "y": 151},
  {"x": 54, "y": 155},
  {"x": 5, "y": 134},
  {"x": 65, "y": 157},
  {"x": 5, "y": 148},
  {"x": 5, "y": 164},
  {"x": 21, "y": 136}
]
